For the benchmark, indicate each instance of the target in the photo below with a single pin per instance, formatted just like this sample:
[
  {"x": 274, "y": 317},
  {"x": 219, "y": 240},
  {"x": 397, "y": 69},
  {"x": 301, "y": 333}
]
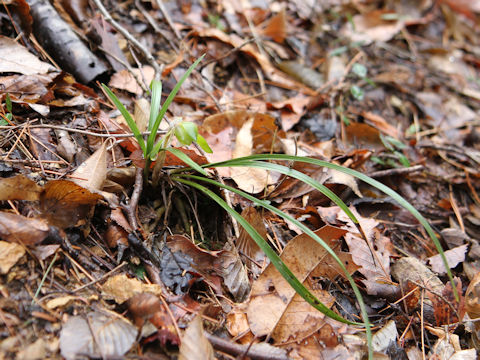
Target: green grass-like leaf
[
  {"x": 169, "y": 100},
  {"x": 275, "y": 259},
  {"x": 383, "y": 188},
  {"x": 128, "y": 118}
]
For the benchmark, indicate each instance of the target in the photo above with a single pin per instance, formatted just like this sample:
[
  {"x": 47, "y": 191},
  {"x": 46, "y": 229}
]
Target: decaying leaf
[
  {"x": 121, "y": 288},
  {"x": 124, "y": 80},
  {"x": 10, "y": 253},
  {"x": 211, "y": 265},
  {"x": 384, "y": 337},
  {"x": 371, "y": 254},
  {"x": 22, "y": 230},
  {"x": 411, "y": 269},
  {"x": 91, "y": 174},
  {"x": 454, "y": 257},
  {"x": 16, "y": 58},
  {"x": 195, "y": 345},
  {"x": 245, "y": 243},
  {"x": 19, "y": 188},
  {"x": 64, "y": 203},
  {"x": 276, "y": 27},
  {"x": 97, "y": 335},
  {"x": 274, "y": 306}
]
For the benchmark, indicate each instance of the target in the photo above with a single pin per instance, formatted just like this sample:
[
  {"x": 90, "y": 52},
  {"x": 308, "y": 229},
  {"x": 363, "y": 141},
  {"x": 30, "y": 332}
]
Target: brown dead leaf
[
  {"x": 91, "y": 174},
  {"x": 373, "y": 258},
  {"x": 291, "y": 110},
  {"x": 19, "y": 188},
  {"x": 143, "y": 306},
  {"x": 245, "y": 243},
  {"x": 10, "y": 253},
  {"x": 22, "y": 230},
  {"x": 454, "y": 257},
  {"x": 124, "y": 80},
  {"x": 276, "y": 27},
  {"x": 472, "y": 298},
  {"x": 380, "y": 123},
  {"x": 275, "y": 308},
  {"x": 121, "y": 288},
  {"x": 212, "y": 265},
  {"x": 446, "y": 308},
  {"x": 195, "y": 345},
  {"x": 64, "y": 203},
  {"x": 237, "y": 42},
  {"x": 249, "y": 179},
  {"x": 17, "y": 59},
  {"x": 371, "y": 27},
  {"x": 410, "y": 269}
]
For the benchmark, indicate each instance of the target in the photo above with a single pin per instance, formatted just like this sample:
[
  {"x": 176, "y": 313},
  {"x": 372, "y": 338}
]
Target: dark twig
[
  {"x": 255, "y": 352},
  {"x": 131, "y": 208},
  {"x": 395, "y": 171}
]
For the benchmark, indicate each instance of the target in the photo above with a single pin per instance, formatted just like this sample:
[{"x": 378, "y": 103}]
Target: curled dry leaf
[
  {"x": 64, "y": 203},
  {"x": 92, "y": 173},
  {"x": 195, "y": 345}
]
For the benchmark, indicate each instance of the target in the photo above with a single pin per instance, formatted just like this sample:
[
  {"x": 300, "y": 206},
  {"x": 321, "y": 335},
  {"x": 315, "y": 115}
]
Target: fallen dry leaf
[
  {"x": 248, "y": 179},
  {"x": 92, "y": 173},
  {"x": 245, "y": 243},
  {"x": 16, "y": 58},
  {"x": 195, "y": 345},
  {"x": 454, "y": 257},
  {"x": 275, "y": 308},
  {"x": 97, "y": 335},
  {"x": 19, "y": 188},
  {"x": 22, "y": 230},
  {"x": 64, "y": 203},
  {"x": 373, "y": 257},
  {"x": 237, "y": 42},
  {"x": 121, "y": 288},
  {"x": 124, "y": 80},
  {"x": 10, "y": 253},
  {"x": 370, "y": 27}
]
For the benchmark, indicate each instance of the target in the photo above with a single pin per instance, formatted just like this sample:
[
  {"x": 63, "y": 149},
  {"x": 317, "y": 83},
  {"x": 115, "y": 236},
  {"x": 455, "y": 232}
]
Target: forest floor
[{"x": 98, "y": 261}]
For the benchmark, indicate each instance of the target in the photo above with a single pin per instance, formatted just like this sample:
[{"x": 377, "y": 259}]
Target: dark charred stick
[{"x": 60, "y": 42}]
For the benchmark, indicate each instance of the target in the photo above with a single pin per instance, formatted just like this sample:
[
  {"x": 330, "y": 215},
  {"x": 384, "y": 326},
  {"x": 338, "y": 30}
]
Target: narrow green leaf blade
[
  {"x": 128, "y": 118},
  {"x": 272, "y": 255},
  {"x": 170, "y": 98},
  {"x": 383, "y": 188}
]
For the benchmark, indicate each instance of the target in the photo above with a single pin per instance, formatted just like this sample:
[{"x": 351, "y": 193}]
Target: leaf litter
[{"x": 380, "y": 87}]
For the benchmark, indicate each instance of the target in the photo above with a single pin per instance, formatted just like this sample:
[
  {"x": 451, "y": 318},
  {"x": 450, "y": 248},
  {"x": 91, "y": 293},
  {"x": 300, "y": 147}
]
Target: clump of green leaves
[
  {"x": 185, "y": 132},
  {"x": 396, "y": 158}
]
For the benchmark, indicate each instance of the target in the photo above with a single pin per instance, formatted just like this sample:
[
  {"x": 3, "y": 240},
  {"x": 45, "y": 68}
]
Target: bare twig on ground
[{"x": 236, "y": 349}]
